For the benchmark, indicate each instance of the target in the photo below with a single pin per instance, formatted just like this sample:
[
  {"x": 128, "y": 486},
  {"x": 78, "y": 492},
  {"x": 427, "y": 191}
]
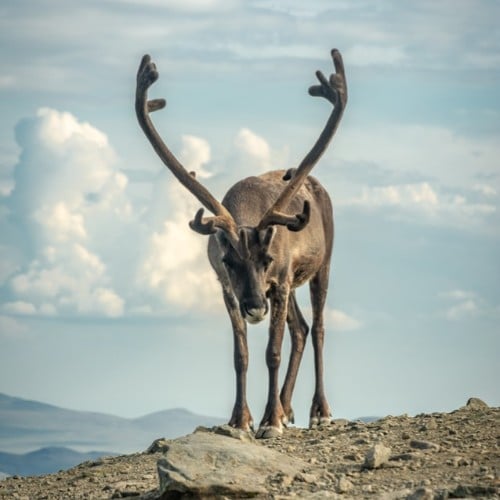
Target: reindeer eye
[{"x": 231, "y": 262}]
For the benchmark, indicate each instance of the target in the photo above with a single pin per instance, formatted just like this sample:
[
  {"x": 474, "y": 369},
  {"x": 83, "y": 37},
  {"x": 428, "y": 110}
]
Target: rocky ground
[{"x": 432, "y": 456}]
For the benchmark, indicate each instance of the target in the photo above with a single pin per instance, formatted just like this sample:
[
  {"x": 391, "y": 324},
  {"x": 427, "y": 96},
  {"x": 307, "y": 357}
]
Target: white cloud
[
  {"x": 420, "y": 195},
  {"x": 375, "y": 55},
  {"x": 60, "y": 222},
  {"x": 253, "y": 149},
  {"x": 185, "y": 6},
  {"x": 450, "y": 159},
  {"x": 465, "y": 304},
  {"x": 177, "y": 268},
  {"x": 19, "y": 307},
  {"x": 421, "y": 200},
  {"x": 175, "y": 265},
  {"x": 464, "y": 309},
  {"x": 194, "y": 154},
  {"x": 342, "y": 321},
  {"x": 446, "y": 189},
  {"x": 485, "y": 190},
  {"x": 66, "y": 184},
  {"x": 458, "y": 294},
  {"x": 65, "y": 280}
]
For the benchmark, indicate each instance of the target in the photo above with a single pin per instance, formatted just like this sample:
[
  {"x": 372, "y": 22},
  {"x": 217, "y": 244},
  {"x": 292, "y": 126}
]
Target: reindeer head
[
  {"x": 248, "y": 265},
  {"x": 247, "y": 253}
]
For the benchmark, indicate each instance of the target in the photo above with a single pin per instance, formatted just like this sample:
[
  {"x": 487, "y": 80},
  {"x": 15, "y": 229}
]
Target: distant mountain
[
  {"x": 29, "y": 425},
  {"x": 43, "y": 461}
]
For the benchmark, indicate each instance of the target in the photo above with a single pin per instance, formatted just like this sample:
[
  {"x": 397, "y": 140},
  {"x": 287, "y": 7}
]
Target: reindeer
[{"x": 270, "y": 235}]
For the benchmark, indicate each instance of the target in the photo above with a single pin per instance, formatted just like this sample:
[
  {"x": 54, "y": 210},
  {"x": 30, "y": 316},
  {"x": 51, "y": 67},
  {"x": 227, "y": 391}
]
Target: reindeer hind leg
[
  {"x": 298, "y": 329},
  {"x": 320, "y": 410}
]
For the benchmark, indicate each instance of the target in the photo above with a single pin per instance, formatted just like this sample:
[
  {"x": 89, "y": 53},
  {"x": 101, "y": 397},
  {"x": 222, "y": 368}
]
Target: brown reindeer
[{"x": 270, "y": 234}]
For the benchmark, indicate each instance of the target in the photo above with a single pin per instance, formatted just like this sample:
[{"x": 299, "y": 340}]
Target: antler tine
[
  {"x": 147, "y": 74},
  {"x": 335, "y": 91},
  {"x": 209, "y": 225}
]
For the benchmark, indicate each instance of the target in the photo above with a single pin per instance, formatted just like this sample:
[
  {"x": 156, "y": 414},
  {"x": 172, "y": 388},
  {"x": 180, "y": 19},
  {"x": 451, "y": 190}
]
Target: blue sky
[{"x": 107, "y": 301}]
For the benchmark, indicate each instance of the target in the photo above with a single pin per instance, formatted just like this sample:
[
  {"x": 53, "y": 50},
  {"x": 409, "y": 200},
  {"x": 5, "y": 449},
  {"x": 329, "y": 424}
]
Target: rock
[
  {"x": 424, "y": 445},
  {"x": 306, "y": 478},
  {"x": 394, "y": 495},
  {"x": 207, "y": 464},
  {"x": 476, "y": 490},
  {"x": 421, "y": 494},
  {"x": 430, "y": 425},
  {"x": 476, "y": 404},
  {"x": 158, "y": 445},
  {"x": 344, "y": 485},
  {"x": 377, "y": 456},
  {"x": 227, "y": 430}
]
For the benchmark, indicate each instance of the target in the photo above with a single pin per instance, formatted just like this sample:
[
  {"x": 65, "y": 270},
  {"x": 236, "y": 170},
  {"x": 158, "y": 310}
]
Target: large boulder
[{"x": 205, "y": 464}]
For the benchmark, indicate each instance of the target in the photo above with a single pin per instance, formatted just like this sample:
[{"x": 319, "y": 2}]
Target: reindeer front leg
[
  {"x": 274, "y": 416},
  {"x": 241, "y": 417}
]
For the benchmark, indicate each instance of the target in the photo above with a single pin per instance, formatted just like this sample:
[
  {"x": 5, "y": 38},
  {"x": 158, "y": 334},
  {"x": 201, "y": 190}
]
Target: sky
[{"x": 107, "y": 300}]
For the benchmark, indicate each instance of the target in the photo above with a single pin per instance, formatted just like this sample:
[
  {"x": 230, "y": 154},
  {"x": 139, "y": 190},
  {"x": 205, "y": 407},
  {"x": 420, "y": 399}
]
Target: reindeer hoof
[
  {"x": 315, "y": 422},
  {"x": 268, "y": 432}
]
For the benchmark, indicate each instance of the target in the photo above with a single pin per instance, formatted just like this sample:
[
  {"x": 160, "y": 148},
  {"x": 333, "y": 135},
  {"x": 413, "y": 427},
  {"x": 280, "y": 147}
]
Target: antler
[
  {"x": 146, "y": 76},
  {"x": 335, "y": 91}
]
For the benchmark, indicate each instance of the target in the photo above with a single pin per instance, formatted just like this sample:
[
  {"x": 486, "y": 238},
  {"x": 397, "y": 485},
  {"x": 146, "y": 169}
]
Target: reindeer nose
[{"x": 254, "y": 310}]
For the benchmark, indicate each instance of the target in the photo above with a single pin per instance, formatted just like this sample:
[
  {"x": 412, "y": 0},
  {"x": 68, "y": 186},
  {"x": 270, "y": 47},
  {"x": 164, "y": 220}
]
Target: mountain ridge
[
  {"x": 27, "y": 425},
  {"x": 44, "y": 461}
]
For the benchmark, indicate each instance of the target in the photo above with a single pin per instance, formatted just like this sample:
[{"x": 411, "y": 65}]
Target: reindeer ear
[{"x": 266, "y": 236}]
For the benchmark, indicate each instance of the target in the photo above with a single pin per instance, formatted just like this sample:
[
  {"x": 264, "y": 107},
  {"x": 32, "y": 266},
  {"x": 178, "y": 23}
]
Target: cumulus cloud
[
  {"x": 253, "y": 149},
  {"x": 65, "y": 179},
  {"x": 91, "y": 249},
  {"x": 194, "y": 154},
  {"x": 19, "y": 307},
  {"x": 174, "y": 266}
]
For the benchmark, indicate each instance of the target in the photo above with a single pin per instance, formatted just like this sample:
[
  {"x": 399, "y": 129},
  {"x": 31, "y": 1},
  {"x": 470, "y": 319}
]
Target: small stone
[
  {"x": 424, "y": 445},
  {"x": 421, "y": 494},
  {"x": 306, "y": 478},
  {"x": 284, "y": 480},
  {"x": 377, "y": 456},
  {"x": 344, "y": 485},
  {"x": 430, "y": 425},
  {"x": 340, "y": 422},
  {"x": 476, "y": 404}
]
